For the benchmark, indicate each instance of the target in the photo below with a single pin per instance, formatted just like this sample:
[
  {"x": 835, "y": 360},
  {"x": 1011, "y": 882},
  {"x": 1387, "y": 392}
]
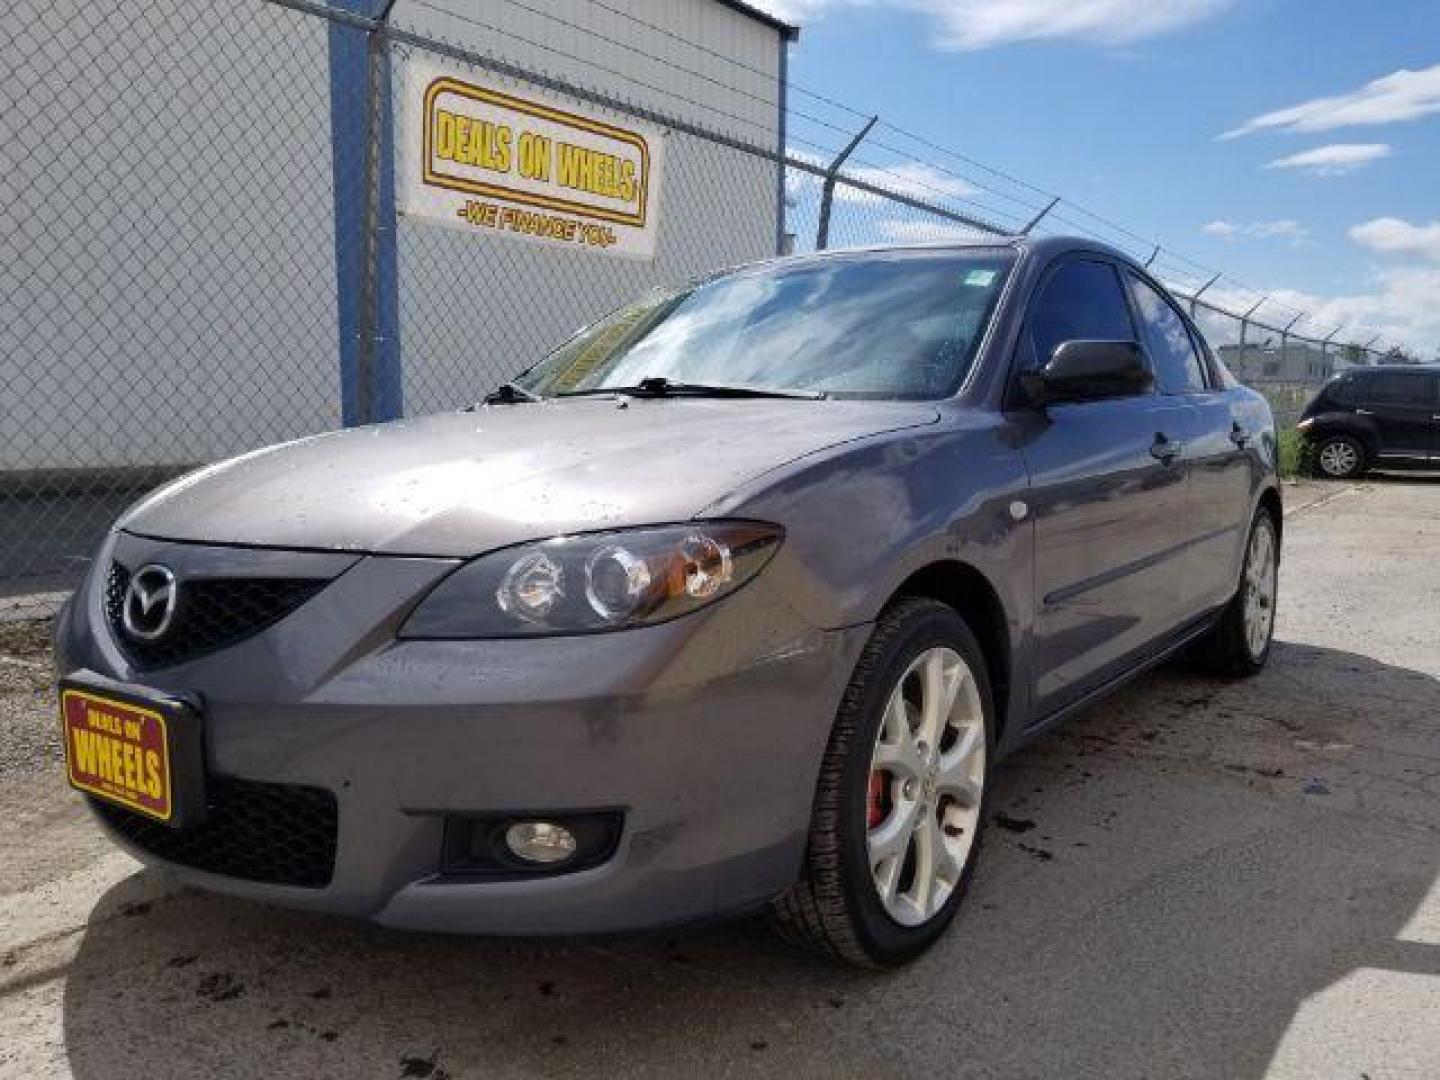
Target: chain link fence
[
  {"x": 166, "y": 175},
  {"x": 195, "y": 264}
]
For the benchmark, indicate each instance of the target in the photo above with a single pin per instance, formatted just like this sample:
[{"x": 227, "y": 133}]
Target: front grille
[
  {"x": 279, "y": 834},
  {"x": 211, "y": 614}
]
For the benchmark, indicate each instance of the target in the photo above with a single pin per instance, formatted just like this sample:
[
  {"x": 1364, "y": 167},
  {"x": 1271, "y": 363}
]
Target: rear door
[
  {"x": 1402, "y": 407},
  {"x": 1434, "y": 380},
  {"x": 1108, "y": 499},
  {"x": 1218, "y": 443}
]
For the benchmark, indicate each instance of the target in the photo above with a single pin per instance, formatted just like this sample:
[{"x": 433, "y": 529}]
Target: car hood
[{"x": 458, "y": 484}]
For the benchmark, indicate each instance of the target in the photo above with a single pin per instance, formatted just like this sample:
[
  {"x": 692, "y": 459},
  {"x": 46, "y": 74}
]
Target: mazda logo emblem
[{"x": 150, "y": 602}]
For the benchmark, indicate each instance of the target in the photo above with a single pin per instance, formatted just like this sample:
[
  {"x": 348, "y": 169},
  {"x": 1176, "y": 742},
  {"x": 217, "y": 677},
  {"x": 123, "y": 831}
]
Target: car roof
[
  {"x": 1042, "y": 247},
  {"x": 1422, "y": 369}
]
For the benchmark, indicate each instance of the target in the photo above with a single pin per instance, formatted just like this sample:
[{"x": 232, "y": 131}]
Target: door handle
[
  {"x": 1165, "y": 449},
  {"x": 1363, "y": 412},
  {"x": 1239, "y": 436}
]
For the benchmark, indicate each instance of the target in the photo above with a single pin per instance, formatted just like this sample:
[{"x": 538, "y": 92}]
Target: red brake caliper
[{"x": 876, "y": 808}]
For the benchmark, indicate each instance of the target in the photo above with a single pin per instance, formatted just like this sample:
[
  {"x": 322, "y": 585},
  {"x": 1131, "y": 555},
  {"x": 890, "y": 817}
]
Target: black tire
[
  {"x": 1351, "y": 449},
  {"x": 834, "y": 908},
  {"x": 1225, "y": 650}
]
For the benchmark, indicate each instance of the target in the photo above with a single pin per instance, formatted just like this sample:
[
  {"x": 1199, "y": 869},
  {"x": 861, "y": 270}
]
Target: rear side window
[
  {"x": 1080, "y": 301},
  {"x": 1396, "y": 388},
  {"x": 1178, "y": 368},
  {"x": 1218, "y": 375}
]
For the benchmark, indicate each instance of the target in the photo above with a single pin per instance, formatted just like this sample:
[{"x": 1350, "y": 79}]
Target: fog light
[{"x": 540, "y": 841}]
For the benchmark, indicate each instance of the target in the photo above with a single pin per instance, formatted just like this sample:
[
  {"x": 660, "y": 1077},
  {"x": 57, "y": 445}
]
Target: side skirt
[{"x": 1178, "y": 643}]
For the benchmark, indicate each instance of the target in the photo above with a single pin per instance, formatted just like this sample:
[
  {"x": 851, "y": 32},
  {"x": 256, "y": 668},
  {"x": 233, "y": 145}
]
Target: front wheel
[
  {"x": 1239, "y": 644},
  {"x": 1340, "y": 457},
  {"x": 901, "y": 800}
]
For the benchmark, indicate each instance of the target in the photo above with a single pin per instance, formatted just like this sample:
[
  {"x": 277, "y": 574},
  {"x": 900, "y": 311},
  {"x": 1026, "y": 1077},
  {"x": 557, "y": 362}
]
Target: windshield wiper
[
  {"x": 510, "y": 394},
  {"x": 657, "y": 386}
]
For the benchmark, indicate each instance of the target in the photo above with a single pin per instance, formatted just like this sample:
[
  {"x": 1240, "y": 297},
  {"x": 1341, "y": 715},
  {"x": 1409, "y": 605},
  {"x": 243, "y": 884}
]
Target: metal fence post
[
  {"x": 1365, "y": 349},
  {"x": 1201, "y": 292},
  {"x": 373, "y": 326},
  {"x": 1025, "y": 231},
  {"x": 780, "y": 178},
  {"x": 364, "y": 205},
  {"x": 827, "y": 191},
  {"x": 1285, "y": 342},
  {"x": 1325, "y": 350},
  {"x": 1245, "y": 323}
]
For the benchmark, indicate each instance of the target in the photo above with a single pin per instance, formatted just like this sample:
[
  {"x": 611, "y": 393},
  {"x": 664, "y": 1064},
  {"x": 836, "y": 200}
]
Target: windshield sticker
[{"x": 980, "y": 278}]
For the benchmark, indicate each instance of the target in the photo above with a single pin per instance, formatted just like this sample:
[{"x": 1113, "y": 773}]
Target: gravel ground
[
  {"x": 26, "y": 674},
  {"x": 1195, "y": 879}
]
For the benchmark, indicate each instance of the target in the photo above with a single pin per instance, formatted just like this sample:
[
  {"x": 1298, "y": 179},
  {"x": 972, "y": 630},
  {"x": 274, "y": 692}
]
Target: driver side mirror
[{"x": 1089, "y": 371}]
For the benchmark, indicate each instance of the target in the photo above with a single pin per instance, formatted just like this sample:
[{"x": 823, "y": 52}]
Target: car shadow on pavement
[{"x": 1174, "y": 879}]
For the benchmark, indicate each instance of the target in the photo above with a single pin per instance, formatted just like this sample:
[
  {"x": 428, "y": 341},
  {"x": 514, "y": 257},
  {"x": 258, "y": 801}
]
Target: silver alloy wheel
[
  {"x": 1260, "y": 588},
  {"x": 927, "y": 776},
  {"x": 1339, "y": 458}
]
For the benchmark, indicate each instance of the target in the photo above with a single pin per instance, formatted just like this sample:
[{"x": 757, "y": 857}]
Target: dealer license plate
[{"x": 124, "y": 748}]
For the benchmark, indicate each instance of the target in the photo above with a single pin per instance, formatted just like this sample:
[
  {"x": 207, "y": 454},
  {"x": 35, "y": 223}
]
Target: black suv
[{"x": 1378, "y": 417}]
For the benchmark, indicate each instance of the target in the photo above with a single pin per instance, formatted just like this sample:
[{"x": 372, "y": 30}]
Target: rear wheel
[
  {"x": 1340, "y": 457},
  {"x": 900, "y": 805},
  {"x": 1239, "y": 645}
]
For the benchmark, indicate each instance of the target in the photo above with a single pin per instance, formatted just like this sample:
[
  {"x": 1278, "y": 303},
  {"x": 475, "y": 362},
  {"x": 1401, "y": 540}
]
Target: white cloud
[
  {"x": 1280, "y": 229},
  {"x": 1333, "y": 160},
  {"x": 1395, "y": 302},
  {"x": 980, "y": 24},
  {"x": 913, "y": 178},
  {"x": 903, "y": 231},
  {"x": 1401, "y": 95},
  {"x": 1285, "y": 228},
  {"x": 1399, "y": 303},
  {"x": 1393, "y": 236}
]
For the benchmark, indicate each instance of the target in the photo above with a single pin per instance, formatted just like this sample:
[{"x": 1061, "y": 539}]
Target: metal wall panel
[{"x": 165, "y": 223}]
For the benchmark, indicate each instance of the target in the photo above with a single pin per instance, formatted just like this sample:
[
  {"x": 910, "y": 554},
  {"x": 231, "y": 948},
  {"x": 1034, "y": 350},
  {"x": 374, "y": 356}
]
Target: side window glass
[
  {"x": 1080, "y": 301},
  {"x": 1395, "y": 389},
  {"x": 1209, "y": 363},
  {"x": 1177, "y": 365}
]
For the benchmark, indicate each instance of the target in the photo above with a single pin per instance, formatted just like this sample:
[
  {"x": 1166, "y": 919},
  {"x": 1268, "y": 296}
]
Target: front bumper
[{"x": 706, "y": 732}]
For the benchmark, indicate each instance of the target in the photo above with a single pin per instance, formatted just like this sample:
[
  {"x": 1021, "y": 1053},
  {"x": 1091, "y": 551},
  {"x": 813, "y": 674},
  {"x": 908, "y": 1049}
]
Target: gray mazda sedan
[{"x": 734, "y": 601}]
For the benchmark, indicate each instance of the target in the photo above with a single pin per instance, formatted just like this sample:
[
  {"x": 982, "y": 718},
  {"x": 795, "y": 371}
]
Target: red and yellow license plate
[{"x": 118, "y": 751}]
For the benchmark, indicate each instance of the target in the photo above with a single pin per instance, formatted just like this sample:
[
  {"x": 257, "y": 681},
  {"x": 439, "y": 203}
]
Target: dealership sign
[{"x": 493, "y": 161}]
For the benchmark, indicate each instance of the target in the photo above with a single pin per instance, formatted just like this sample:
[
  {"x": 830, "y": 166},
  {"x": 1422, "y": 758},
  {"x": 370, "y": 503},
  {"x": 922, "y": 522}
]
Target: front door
[
  {"x": 1107, "y": 497},
  {"x": 1219, "y": 446}
]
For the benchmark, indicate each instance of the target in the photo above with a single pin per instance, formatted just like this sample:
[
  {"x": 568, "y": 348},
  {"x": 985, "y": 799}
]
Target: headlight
[
  {"x": 1306, "y": 424},
  {"x": 600, "y": 581}
]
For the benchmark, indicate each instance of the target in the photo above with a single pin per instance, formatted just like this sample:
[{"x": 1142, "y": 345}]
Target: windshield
[{"x": 899, "y": 324}]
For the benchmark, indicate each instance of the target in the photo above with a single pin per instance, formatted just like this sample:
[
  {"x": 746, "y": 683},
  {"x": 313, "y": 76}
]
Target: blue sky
[{"x": 1326, "y": 191}]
